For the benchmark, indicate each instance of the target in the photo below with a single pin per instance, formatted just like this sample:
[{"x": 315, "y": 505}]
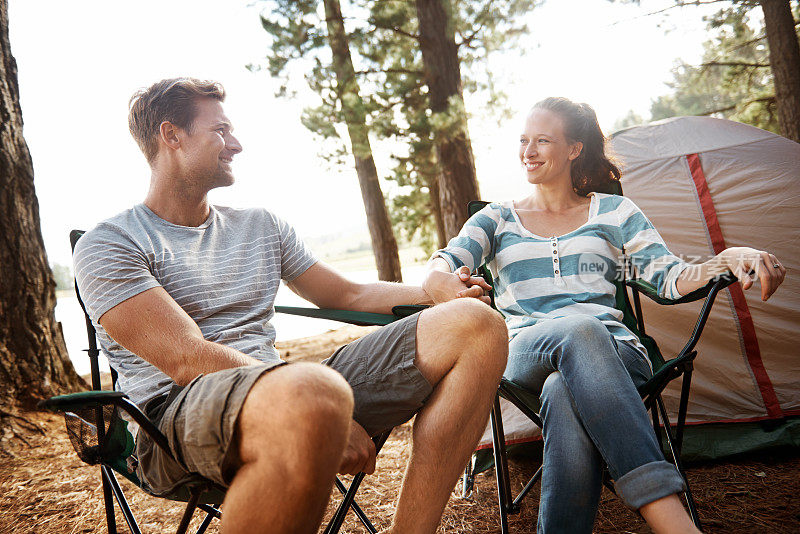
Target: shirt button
[
  {"x": 555, "y": 260},
  {"x": 555, "y": 252},
  {"x": 556, "y": 271}
]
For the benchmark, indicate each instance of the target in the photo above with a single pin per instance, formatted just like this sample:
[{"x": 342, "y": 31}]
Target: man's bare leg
[
  {"x": 462, "y": 348},
  {"x": 293, "y": 428}
]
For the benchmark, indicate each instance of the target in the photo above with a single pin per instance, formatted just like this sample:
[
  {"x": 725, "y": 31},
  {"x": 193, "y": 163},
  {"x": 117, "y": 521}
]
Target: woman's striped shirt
[{"x": 538, "y": 278}]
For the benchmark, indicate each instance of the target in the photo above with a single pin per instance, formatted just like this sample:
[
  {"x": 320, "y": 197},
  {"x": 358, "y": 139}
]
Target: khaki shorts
[{"x": 199, "y": 419}]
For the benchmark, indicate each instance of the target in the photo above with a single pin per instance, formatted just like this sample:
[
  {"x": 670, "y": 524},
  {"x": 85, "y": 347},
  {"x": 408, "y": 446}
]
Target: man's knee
[
  {"x": 303, "y": 400},
  {"x": 472, "y": 328},
  {"x": 482, "y": 325}
]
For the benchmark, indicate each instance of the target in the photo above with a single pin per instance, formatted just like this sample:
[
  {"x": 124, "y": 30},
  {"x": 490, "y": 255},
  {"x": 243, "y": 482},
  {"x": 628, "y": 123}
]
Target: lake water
[{"x": 69, "y": 313}]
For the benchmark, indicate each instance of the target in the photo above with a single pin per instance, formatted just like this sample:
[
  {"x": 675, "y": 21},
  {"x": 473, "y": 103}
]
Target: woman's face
[{"x": 544, "y": 151}]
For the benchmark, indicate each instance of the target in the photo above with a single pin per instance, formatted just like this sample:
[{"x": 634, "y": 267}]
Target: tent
[{"x": 707, "y": 184}]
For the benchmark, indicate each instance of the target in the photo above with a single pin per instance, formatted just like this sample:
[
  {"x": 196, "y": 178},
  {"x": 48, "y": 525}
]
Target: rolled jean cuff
[{"x": 649, "y": 482}]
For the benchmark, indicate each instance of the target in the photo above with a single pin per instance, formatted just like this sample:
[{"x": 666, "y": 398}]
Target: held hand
[
  {"x": 442, "y": 286},
  {"x": 359, "y": 454},
  {"x": 476, "y": 285},
  {"x": 749, "y": 264}
]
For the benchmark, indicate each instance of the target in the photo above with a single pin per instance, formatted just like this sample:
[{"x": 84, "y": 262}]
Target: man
[{"x": 182, "y": 293}]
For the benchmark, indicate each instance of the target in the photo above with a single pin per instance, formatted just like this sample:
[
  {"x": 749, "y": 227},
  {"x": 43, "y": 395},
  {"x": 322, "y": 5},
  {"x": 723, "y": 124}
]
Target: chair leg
[
  {"x": 349, "y": 496},
  {"x": 348, "y": 502},
  {"x": 528, "y": 487},
  {"x": 678, "y": 464},
  {"x": 500, "y": 464},
  {"x": 205, "y": 524},
  {"x": 684, "y": 403},
  {"x": 607, "y": 482},
  {"x": 108, "y": 500},
  {"x": 123, "y": 503},
  {"x": 191, "y": 506},
  {"x": 467, "y": 481},
  {"x": 211, "y": 514},
  {"x": 656, "y": 425}
]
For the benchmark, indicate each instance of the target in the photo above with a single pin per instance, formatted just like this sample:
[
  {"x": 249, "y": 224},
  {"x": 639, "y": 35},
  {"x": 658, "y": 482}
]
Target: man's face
[{"x": 208, "y": 149}]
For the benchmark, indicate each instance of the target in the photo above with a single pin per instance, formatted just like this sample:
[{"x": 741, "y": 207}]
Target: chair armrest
[
  {"x": 351, "y": 317},
  {"x": 649, "y": 290},
  {"x": 662, "y": 376},
  {"x": 88, "y": 399},
  {"x": 81, "y": 399},
  {"x": 710, "y": 293},
  {"x": 406, "y": 310}
]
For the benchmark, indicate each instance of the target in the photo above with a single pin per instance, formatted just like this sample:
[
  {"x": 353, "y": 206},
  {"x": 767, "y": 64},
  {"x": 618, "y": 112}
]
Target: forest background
[{"x": 374, "y": 119}]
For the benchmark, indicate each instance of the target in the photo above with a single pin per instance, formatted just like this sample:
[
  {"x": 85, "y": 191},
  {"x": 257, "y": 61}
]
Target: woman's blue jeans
[{"x": 591, "y": 413}]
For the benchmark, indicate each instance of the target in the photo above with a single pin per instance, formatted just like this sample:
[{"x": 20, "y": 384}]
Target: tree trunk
[
  {"x": 458, "y": 183},
  {"x": 784, "y": 58},
  {"x": 432, "y": 176},
  {"x": 436, "y": 209},
  {"x": 34, "y": 363},
  {"x": 384, "y": 244}
]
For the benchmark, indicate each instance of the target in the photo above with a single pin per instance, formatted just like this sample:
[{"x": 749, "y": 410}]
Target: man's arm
[
  {"x": 325, "y": 287},
  {"x": 153, "y": 326}
]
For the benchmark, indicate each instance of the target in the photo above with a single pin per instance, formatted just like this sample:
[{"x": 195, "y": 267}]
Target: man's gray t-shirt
[{"x": 224, "y": 273}]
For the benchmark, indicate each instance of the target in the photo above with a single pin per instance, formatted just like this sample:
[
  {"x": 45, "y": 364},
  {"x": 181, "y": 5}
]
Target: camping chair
[
  {"x": 100, "y": 436},
  {"x": 664, "y": 371}
]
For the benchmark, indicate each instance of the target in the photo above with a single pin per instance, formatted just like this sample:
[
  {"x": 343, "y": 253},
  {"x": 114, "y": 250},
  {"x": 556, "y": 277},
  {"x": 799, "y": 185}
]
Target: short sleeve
[
  {"x": 296, "y": 258},
  {"x": 109, "y": 269}
]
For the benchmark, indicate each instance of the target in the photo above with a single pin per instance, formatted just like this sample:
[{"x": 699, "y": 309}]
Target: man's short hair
[{"x": 170, "y": 100}]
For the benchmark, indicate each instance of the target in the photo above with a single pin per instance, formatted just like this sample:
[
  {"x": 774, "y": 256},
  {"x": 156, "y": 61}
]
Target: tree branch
[
  {"x": 466, "y": 41},
  {"x": 388, "y": 105},
  {"x": 757, "y": 39},
  {"x": 396, "y": 30},
  {"x": 729, "y": 108},
  {"x": 680, "y": 4},
  {"x": 416, "y": 73},
  {"x": 734, "y": 64}
]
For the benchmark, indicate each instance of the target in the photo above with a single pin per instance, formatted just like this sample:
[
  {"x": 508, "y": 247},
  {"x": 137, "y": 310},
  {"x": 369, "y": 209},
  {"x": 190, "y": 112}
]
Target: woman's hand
[
  {"x": 749, "y": 264},
  {"x": 443, "y": 286}
]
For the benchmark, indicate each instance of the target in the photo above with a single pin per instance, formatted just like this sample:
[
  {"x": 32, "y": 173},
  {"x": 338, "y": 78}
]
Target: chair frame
[
  {"x": 679, "y": 367},
  {"x": 98, "y": 398}
]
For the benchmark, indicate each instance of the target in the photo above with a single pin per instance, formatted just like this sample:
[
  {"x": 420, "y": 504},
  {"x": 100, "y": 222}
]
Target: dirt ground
[{"x": 46, "y": 489}]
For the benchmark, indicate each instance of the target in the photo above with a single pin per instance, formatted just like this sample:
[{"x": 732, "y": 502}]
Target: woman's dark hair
[{"x": 592, "y": 170}]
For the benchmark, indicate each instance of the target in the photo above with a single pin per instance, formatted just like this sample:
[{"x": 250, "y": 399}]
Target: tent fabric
[{"x": 708, "y": 183}]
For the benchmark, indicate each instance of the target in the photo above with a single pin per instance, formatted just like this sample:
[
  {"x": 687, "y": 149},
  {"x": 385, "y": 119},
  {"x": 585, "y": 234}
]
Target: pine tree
[
  {"x": 748, "y": 74},
  {"x": 298, "y": 33},
  {"x": 386, "y": 46},
  {"x": 415, "y": 105},
  {"x": 34, "y": 362}
]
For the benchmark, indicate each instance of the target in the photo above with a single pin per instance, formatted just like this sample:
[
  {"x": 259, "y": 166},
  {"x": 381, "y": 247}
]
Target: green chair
[
  {"x": 100, "y": 435},
  {"x": 664, "y": 371}
]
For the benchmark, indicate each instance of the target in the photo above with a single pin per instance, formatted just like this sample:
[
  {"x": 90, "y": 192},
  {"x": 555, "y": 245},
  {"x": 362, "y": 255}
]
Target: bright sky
[{"x": 80, "y": 61}]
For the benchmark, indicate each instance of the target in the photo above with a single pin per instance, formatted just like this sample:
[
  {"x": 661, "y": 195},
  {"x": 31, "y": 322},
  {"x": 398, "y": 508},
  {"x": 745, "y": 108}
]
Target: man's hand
[
  {"x": 360, "y": 452},
  {"x": 442, "y": 287}
]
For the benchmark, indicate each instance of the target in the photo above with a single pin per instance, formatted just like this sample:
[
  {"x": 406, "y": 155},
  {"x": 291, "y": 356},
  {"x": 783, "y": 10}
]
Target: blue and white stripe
[{"x": 538, "y": 278}]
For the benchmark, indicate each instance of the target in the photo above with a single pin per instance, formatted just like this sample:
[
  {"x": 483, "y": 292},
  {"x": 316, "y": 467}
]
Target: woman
[{"x": 553, "y": 256}]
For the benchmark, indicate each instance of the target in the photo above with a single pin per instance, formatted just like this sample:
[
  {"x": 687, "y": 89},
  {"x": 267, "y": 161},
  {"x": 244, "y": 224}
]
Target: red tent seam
[{"x": 746, "y": 326}]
